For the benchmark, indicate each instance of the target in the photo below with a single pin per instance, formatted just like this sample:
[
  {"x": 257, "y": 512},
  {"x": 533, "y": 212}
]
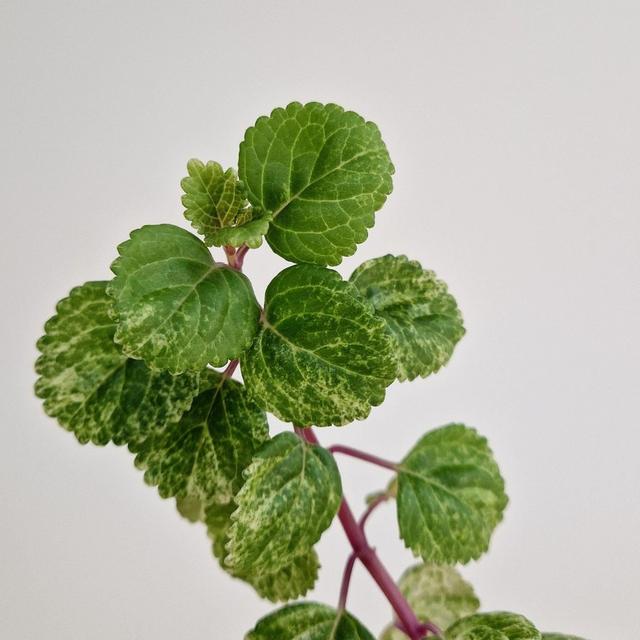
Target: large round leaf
[
  {"x": 422, "y": 315},
  {"x": 177, "y": 309},
  {"x": 450, "y": 495},
  {"x": 291, "y": 494},
  {"x": 322, "y": 357},
  {"x": 202, "y": 456},
  {"x": 91, "y": 387},
  {"x": 322, "y": 173}
]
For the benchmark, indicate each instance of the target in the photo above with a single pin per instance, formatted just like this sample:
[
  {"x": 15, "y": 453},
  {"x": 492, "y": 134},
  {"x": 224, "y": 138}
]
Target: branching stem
[{"x": 367, "y": 555}]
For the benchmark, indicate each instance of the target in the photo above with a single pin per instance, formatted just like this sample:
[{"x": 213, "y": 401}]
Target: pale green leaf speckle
[
  {"x": 423, "y": 317},
  {"x": 450, "y": 495},
  {"x": 499, "y": 625},
  {"x": 322, "y": 172},
  {"x": 249, "y": 233},
  {"x": 322, "y": 357},
  {"x": 213, "y": 198},
  {"x": 201, "y": 457},
  {"x": 291, "y": 494},
  {"x": 309, "y": 621},
  {"x": 176, "y": 308},
  {"x": 436, "y": 593},
  {"x": 91, "y": 387}
]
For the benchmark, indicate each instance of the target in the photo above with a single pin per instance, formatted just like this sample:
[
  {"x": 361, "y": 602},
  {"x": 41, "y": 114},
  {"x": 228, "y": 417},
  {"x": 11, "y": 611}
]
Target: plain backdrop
[{"x": 514, "y": 128}]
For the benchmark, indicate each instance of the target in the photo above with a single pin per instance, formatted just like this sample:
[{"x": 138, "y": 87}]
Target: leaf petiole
[{"x": 363, "y": 455}]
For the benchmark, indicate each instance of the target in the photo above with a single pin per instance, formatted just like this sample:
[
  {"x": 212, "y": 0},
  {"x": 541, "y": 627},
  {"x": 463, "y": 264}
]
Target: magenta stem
[
  {"x": 231, "y": 367},
  {"x": 373, "y": 505},
  {"x": 362, "y": 455},
  {"x": 367, "y": 555},
  {"x": 346, "y": 580}
]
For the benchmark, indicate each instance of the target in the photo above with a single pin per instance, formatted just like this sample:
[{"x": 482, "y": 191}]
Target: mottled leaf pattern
[
  {"x": 322, "y": 172},
  {"x": 436, "y": 593},
  {"x": 201, "y": 457},
  {"x": 291, "y": 494},
  {"x": 292, "y": 580},
  {"x": 309, "y": 621},
  {"x": 450, "y": 495},
  {"x": 249, "y": 233},
  {"x": 499, "y": 625},
  {"x": 322, "y": 357},
  {"x": 91, "y": 387},
  {"x": 176, "y": 308},
  {"x": 213, "y": 199},
  {"x": 423, "y": 317}
]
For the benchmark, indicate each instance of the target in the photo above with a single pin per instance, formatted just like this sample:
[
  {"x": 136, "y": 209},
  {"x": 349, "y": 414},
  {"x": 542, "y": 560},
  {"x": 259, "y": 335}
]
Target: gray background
[{"x": 514, "y": 130}]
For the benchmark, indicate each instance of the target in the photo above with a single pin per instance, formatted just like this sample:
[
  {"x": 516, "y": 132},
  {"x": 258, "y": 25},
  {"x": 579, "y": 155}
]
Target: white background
[{"x": 514, "y": 128}]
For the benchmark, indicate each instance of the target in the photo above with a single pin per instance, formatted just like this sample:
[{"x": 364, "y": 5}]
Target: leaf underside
[
  {"x": 450, "y": 495},
  {"x": 322, "y": 173},
  {"x": 91, "y": 388},
  {"x": 291, "y": 494},
  {"x": 499, "y": 625},
  {"x": 322, "y": 356},
  {"x": 176, "y": 308},
  {"x": 308, "y": 621},
  {"x": 422, "y": 316}
]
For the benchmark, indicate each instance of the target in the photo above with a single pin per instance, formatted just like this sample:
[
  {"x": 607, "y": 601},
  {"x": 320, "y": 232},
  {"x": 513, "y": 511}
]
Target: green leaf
[
  {"x": 438, "y": 594},
  {"x": 322, "y": 357},
  {"x": 558, "y": 636},
  {"x": 290, "y": 581},
  {"x": 423, "y": 317},
  {"x": 249, "y": 233},
  {"x": 176, "y": 308},
  {"x": 322, "y": 172},
  {"x": 213, "y": 198},
  {"x": 91, "y": 387},
  {"x": 309, "y": 621},
  {"x": 202, "y": 456},
  {"x": 499, "y": 625},
  {"x": 450, "y": 495},
  {"x": 291, "y": 493}
]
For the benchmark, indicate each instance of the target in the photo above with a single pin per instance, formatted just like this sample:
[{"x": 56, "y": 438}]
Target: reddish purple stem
[
  {"x": 367, "y": 555},
  {"x": 362, "y": 455}
]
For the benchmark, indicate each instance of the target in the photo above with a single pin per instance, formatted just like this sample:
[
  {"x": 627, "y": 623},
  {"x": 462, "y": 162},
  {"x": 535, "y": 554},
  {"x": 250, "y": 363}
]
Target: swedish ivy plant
[{"x": 131, "y": 361}]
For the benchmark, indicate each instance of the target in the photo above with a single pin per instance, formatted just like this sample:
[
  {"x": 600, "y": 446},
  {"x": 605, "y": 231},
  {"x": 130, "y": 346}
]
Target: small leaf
[
  {"x": 450, "y": 495},
  {"x": 322, "y": 172},
  {"x": 322, "y": 357},
  {"x": 438, "y": 594},
  {"x": 176, "y": 308},
  {"x": 499, "y": 625},
  {"x": 213, "y": 198},
  {"x": 309, "y": 621},
  {"x": 91, "y": 387},
  {"x": 290, "y": 581},
  {"x": 291, "y": 494},
  {"x": 202, "y": 456},
  {"x": 249, "y": 233},
  {"x": 423, "y": 317}
]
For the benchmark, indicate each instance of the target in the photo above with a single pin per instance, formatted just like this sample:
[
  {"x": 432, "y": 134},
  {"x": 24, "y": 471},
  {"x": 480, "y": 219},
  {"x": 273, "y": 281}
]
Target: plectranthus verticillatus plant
[{"x": 133, "y": 361}]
